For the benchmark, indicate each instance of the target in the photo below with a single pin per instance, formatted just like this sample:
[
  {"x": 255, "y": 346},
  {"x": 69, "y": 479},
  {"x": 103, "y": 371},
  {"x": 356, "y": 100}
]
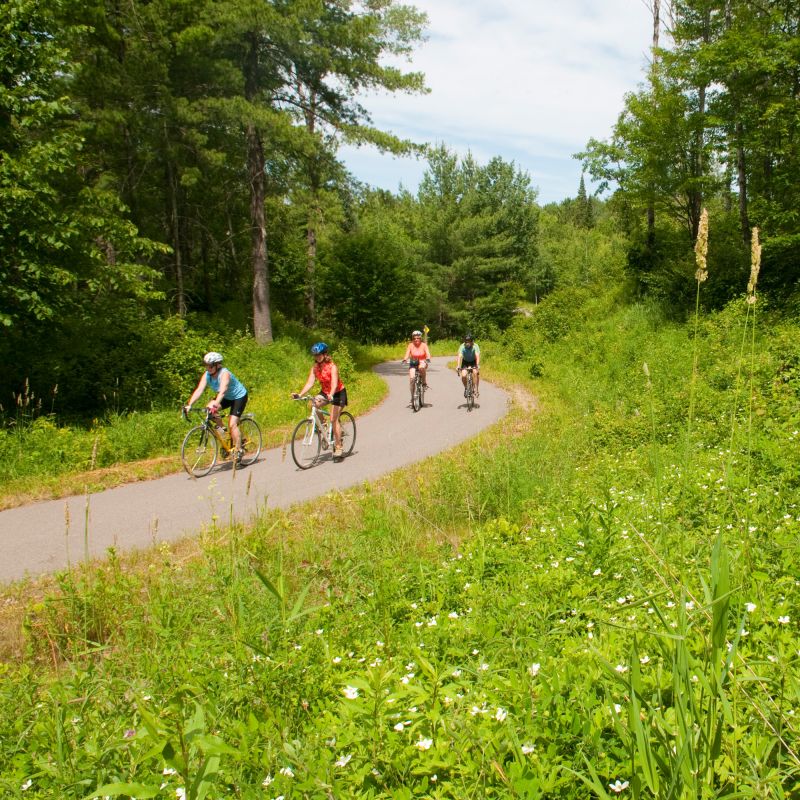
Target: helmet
[
  {"x": 209, "y": 359},
  {"x": 319, "y": 347},
  {"x": 416, "y": 333},
  {"x": 468, "y": 337}
]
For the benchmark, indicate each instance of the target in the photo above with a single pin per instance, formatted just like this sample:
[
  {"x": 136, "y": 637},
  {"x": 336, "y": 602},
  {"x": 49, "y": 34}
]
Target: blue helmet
[{"x": 319, "y": 347}]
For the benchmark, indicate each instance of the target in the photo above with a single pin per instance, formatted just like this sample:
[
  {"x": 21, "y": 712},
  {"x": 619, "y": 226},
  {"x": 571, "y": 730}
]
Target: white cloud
[{"x": 528, "y": 80}]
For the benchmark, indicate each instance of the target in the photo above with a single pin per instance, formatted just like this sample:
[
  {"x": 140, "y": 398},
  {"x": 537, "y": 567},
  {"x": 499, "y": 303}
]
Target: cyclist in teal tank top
[
  {"x": 229, "y": 392},
  {"x": 469, "y": 355}
]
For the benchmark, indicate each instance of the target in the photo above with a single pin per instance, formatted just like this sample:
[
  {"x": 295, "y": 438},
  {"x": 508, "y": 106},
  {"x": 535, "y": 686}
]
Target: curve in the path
[{"x": 44, "y": 537}]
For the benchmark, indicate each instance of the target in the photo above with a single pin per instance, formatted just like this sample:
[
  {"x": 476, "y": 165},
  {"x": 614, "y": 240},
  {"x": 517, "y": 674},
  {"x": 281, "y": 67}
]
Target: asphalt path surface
[{"x": 45, "y": 537}]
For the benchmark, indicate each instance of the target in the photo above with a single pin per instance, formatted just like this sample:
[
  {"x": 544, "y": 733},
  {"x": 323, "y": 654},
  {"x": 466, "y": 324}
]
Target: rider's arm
[
  {"x": 309, "y": 383},
  {"x": 201, "y": 387}
]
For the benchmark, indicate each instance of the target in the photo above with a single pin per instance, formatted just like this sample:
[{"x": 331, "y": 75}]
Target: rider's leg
[
  {"x": 337, "y": 428},
  {"x": 236, "y": 434},
  {"x": 423, "y": 373},
  {"x": 411, "y": 377}
]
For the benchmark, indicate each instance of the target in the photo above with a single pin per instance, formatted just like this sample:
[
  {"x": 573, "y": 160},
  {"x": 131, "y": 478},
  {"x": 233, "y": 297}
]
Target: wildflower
[
  {"x": 783, "y": 620},
  {"x": 621, "y": 668},
  {"x": 180, "y": 793},
  {"x": 751, "y": 607},
  {"x": 645, "y": 659},
  {"x": 129, "y": 734},
  {"x": 597, "y": 572},
  {"x": 424, "y": 744},
  {"x": 533, "y": 669},
  {"x": 527, "y": 749},
  {"x": 287, "y": 771},
  {"x": 456, "y": 673},
  {"x": 432, "y": 622},
  {"x": 169, "y": 771},
  {"x": 267, "y": 781},
  {"x": 700, "y": 250},
  {"x": 453, "y": 615},
  {"x": 501, "y": 714},
  {"x": 337, "y": 659},
  {"x": 618, "y": 785},
  {"x": 399, "y": 727},
  {"x": 618, "y": 708},
  {"x": 484, "y": 667},
  {"x": 27, "y": 785},
  {"x": 343, "y": 761},
  {"x": 350, "y": 692}
]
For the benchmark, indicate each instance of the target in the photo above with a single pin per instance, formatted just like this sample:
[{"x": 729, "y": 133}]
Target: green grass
[{"x": 566, "y": 605}]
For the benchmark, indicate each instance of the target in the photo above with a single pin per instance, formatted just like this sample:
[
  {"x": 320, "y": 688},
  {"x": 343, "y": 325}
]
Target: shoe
[{"x": 337, "y": 452}]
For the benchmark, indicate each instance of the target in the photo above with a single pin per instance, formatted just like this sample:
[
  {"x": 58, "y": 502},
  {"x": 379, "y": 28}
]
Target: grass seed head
[{"x": 701, "y": 248}]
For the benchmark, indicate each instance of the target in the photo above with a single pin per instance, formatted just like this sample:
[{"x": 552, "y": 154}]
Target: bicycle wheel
[
  {"x": 199, "y": 451},
  {"x": 416, "y": 397},
  {"x": 348, "y": 425},
  {"x": 306, "y": 443},
  {"x": 470, "y": 392},
  {"x": 251, "y": 440}
]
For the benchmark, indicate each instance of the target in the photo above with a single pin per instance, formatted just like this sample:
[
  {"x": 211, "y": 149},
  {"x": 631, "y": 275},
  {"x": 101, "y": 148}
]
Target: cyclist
[
  {"x": 230, "y": 393},
  {"x": 331, "y": 391},
  {"x": 417, "y": 355},
  {"x": 469, "y": 355}
]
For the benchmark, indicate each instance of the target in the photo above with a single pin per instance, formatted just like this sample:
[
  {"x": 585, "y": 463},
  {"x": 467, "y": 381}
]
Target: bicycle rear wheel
[
  {"x": 199, "y": 451},
  {"x": 251, "y": 440},
  {"x": 348, "y": 425},
  {"x": 306, "y": 444},
  {"x": 470, "y": 392}
]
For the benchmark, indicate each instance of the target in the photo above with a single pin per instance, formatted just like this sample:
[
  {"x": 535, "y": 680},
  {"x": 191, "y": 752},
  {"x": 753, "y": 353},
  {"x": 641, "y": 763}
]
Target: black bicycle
[
  {"x": 418, "y": 392},
  {"x": 469, "y": 391}
]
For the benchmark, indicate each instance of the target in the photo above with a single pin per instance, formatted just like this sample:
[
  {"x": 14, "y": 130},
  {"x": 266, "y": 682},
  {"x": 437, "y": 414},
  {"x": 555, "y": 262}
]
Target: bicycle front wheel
[
  {"x": 306, "y": 443},
  {"x": 251, "y": 440},
  {"x": 199, "y": 451},
  {"x": 416, "y": 398},
  {"x": 348, "y": 425},
  {"x": 470, "y": 393}
]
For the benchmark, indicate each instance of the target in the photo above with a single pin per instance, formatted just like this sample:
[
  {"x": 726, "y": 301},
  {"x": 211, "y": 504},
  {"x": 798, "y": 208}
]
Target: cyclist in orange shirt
[
  {"x": 417, "y": 355},
  {"x": 331, "y": 391}
]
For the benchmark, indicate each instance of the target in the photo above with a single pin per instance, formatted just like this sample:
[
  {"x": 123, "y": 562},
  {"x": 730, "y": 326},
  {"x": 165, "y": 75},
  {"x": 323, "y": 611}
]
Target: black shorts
[
  {"x": 338, "y": 399},
  {"x": 465, "y": 365},
  {"x": 236, "y": 406}
]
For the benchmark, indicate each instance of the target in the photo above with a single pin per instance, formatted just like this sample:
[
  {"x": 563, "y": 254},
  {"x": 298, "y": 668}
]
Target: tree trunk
[
  {"x": 741, "y": 182},
  {"x": 651, "y": 205},
  {"x": 262, "y": 320},
  {"x": 172, "y": 192}
]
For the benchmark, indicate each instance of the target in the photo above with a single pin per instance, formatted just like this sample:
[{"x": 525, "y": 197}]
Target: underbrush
[{"x": 599, "y": 598}]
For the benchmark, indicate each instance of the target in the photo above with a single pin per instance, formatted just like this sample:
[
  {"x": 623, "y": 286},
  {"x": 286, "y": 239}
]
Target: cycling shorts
[
  {"x": 236, "y": 406},
  {"x": 339, "y": 398}
]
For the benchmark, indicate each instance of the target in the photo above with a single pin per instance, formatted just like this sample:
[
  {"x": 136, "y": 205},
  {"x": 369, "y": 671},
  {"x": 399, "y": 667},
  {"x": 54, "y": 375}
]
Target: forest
[{"x": 169, "y": 168}]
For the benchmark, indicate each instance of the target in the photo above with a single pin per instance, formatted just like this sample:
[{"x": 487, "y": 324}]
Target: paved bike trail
[{"x": 47, "y": 536}]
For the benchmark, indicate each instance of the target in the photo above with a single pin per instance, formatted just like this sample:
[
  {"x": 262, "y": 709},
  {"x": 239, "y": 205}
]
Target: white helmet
[
  {"x": 416, "y": 333},
  {"x": 209, "y": 359}
]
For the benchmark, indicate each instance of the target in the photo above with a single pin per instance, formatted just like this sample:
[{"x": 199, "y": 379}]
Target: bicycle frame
[{"x": 318, "y": 424}]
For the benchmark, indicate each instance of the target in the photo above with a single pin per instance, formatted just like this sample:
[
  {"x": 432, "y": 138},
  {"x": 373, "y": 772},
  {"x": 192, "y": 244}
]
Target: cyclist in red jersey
[
  {"x": 331, "y": 390},
  {"x": 417, "y": 355}
]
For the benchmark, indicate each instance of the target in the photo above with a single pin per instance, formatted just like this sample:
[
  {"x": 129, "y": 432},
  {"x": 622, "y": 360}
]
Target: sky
[{"x": 530, "y": 81}]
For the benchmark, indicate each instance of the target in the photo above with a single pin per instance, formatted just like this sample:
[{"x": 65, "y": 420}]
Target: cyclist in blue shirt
[
  {"x": 229, "y": 393},
  {"x": 469, "y": 355}
]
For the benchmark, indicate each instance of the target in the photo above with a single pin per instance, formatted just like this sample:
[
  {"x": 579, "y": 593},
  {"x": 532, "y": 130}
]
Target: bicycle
[
  {"x": 202, "y": 445},
  {"x": 313, "y": 434},
  {"x": 418, "y": 392},
  {"x": 469, "y": 391}
]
